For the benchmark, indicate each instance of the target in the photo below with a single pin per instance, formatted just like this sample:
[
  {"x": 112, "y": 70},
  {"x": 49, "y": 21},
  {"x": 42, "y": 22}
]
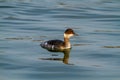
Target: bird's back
[{"x": 52, "y": 44}]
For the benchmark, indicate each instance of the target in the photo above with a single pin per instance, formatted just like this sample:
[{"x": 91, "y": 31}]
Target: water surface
[{"x": 95, "y": 53}]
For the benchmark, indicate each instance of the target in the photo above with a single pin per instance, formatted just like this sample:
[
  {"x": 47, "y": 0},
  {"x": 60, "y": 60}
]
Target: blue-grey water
[{"x": 95, "y": 53}]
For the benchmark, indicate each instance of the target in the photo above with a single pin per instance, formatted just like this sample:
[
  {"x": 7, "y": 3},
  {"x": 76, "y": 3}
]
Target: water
[{"x": 95, "y": 53}]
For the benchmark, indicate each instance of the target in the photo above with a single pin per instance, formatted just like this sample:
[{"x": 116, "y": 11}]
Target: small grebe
[{"x": 58, "y": 44}]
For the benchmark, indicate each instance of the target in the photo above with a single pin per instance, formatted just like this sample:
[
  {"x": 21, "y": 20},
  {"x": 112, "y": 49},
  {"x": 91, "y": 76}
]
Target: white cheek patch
[
  {"x": 68, "y": 35},
  {"x": 65, "y": 35}
]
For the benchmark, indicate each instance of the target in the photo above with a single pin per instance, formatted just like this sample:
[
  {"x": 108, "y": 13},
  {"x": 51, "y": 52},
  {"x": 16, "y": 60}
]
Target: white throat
[{"x": 66, "y": 40}]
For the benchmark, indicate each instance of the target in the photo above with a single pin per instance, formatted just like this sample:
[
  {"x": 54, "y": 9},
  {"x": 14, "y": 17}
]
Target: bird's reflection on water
[{"x": 65, "y": 58}]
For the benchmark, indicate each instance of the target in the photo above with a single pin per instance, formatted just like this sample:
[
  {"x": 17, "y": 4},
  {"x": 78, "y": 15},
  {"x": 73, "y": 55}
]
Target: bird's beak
[{"x": 76, "y": 34}]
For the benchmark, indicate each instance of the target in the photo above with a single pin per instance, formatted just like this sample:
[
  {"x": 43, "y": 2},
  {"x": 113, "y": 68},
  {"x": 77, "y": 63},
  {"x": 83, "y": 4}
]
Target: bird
[{"x": 59, "y": 45}]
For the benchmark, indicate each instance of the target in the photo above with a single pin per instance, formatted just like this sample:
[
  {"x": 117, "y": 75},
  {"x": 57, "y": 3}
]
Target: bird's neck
[{"x": 67, "y": 42}]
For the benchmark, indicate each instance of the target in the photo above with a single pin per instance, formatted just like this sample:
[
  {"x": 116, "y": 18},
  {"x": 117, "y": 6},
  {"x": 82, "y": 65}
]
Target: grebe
[{"x": 58, "y": 44}]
